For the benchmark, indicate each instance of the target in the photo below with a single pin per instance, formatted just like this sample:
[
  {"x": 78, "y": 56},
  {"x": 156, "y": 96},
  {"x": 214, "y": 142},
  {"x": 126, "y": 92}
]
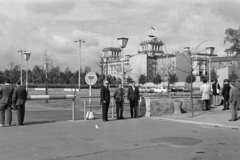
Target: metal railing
[{"x": 49, "y": 97}]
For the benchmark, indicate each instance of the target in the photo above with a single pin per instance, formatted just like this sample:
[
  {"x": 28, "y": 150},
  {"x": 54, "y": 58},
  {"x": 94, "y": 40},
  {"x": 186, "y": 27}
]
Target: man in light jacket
[
  {"x": 205, "y": 92},
  {"x": 119, "y": 99},
  {"x": 233, "y": 98}
]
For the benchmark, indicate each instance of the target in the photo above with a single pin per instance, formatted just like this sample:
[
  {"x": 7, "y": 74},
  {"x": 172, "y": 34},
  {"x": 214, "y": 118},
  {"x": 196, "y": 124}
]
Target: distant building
[{"x": 113, "y": 61}]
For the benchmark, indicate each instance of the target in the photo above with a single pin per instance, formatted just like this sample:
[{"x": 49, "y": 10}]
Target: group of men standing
[
  {"x": 132, "y": 96},
  {"x": 230, "y": 94},
  {"x": 12, "y": 98}
]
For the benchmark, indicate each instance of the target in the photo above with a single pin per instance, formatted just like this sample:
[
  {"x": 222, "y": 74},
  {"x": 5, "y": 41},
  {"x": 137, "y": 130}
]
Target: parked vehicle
[
  {"x": 146, "y": 90},
  {"x": 160, "y": 90}
]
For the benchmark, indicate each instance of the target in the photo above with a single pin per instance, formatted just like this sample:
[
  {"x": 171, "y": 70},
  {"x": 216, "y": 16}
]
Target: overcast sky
[{"x": 53, "y": 25}]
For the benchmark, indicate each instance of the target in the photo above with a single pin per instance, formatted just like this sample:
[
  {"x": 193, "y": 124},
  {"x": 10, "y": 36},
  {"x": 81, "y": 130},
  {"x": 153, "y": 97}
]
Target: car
[
  {"x": 145, "y": 89},
  {"x": 160, "y": 90}
]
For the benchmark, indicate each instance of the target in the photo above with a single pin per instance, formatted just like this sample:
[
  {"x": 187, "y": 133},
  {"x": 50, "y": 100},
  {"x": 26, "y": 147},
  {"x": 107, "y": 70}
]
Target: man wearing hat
[
  {"x": 105, "y": 100},
  {"x": 225, "y": 94},
  {"x": 133, "y": 97}
]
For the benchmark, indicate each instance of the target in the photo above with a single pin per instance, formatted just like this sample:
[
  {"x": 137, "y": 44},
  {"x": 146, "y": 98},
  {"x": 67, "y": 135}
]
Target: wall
[
  {"x": 183, "y": 67},
  {"x": 138, "y": 64}
]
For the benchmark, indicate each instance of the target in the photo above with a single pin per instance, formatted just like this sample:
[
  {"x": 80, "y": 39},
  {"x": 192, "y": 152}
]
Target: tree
[
  {"x": 157, "y": 79},
  {"x": 172, "y": 78},
  {"x": 233, "y": 76},
  {"x": 142, "y": 79},
  {"x": 129, "y": 79},
  {"x": 190, "y": 79},
  {"x": 38, "y": 75},
  {"x": 233, "y": 37}
]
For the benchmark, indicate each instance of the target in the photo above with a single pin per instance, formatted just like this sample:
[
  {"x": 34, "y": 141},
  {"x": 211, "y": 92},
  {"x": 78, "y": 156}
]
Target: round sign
[{"x": 91, "y": 78}]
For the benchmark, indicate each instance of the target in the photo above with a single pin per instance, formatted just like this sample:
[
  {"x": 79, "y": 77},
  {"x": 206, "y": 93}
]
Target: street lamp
[
  {"x": 46, "y": 66},
  {"x": 79, "y": 41},
  {"x": 21, "y": 51},
  {"x": 106, "y": 67},
  {"x": 122, "y": 43},
  {"x": 27, "y": 56},
  {"x": 210, "y": 54}
]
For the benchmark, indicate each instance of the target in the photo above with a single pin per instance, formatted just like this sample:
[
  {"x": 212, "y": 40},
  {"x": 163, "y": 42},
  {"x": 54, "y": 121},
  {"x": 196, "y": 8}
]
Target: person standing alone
[
  {"x": 6, "y": 92},
  {"x": 225, "y": 94},
  {"x": 105, "y": 100},
  {"x": 233, "y": 98},
  {"x": 215, "y": 93},
  {"x": 18, "y": 100},
  {"x": 205, "y": 92},
  {"x": 133, "y": 97},
  {"x": 119, "y": 99}
]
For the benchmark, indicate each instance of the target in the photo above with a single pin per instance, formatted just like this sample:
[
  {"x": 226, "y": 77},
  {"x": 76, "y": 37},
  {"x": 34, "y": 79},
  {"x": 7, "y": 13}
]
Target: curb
[{"x": 202, "y": 123}]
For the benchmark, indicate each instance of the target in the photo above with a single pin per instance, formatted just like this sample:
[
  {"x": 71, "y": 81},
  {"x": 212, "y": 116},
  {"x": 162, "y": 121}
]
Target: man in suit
[
  {"x": 237, "y": 85},
  {"x": 215, "y": 92},
  {"x": 233, "y": 98},
  {"x": 105, "y": 100},
  {"x": 133, "y": 97},
  {"x": 119, "y": 99},
  {"x": 18, "y": 100},
  {"x": 225, "y": 94},
  {"x": 6, "y": 92}
]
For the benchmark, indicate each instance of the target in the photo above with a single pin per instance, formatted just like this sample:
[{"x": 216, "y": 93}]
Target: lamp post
[
  {"x": 79, "y": 41},
  {"x": 21, "y": 51},
  {"x": 122, "y": 43},
  {"x": 106, "y": 61},
  {"x": 210, "y": 54},
  {"x": 27, "y": 56},
  {"x": 46, "y": 66}
]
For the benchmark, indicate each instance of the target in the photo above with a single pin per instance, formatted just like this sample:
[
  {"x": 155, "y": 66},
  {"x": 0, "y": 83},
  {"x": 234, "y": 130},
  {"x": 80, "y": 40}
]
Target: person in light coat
[{"x": 205, "y": 92}]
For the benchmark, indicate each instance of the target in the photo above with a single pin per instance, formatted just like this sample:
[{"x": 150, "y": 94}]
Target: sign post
[{"x": 91, "y": 79}]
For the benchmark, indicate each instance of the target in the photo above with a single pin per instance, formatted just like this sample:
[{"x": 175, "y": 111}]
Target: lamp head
[
  {"x": 27, "y": 55},
  {"x": 122, "y": 42},
  {"x": 210, "y": 50}
]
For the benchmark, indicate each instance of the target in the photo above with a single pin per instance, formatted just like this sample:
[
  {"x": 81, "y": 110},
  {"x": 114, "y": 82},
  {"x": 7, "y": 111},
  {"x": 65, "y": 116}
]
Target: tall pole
[
  {"x": 209, "y": 71},
  {"x": 79, "y": 65},
  {"x": 79, "y": 61},
  {"x": 46, "y": 80},
  {"x": 21, "y": 75},
  {"x": 27, "y": 76},
  {"x": 122, "y": 67}
]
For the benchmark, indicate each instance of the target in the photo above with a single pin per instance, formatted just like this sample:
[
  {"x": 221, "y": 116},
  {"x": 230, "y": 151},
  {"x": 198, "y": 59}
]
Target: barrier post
[
  {"x": 84, "y": 109},
  {"x": 73, "y": 109}
]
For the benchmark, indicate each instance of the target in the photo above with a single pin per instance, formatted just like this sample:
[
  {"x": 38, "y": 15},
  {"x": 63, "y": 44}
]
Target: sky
[{"x": 52, "y": 26}]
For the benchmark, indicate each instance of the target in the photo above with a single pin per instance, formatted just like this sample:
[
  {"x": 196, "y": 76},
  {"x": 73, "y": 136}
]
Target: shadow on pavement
[{"x": 37, "y": 122}]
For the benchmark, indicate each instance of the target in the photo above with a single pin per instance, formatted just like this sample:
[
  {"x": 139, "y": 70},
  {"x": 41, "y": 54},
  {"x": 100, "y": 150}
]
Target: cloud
[
  {"x": 229, "y": 10},
  {"x": 57, "y": 7}
]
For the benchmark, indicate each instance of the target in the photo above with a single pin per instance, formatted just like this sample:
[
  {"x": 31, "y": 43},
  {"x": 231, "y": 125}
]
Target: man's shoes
[
  {"x": 1, "y": 125},
  {"x": 224, "y": 109},
  {"x": 7, "y": 125},
  {"x": 122, "y": 118},
  {"x": 233, "y": 120}
]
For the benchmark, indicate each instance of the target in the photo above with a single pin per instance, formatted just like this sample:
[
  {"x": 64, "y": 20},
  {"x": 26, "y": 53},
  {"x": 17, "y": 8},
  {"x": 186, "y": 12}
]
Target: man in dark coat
[
  {"x": 225, "y": 94},
  {"x": 119, "y": 99},
  {"x": 18, "y": 100},
  {"x": 133, "y": 97},
  {"x": 105, "y": 100},
  {"x": 6, "y": 92}
]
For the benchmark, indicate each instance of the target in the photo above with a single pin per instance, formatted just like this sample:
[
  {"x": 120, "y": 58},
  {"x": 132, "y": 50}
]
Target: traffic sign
[{"x": 91, "y": 78}]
